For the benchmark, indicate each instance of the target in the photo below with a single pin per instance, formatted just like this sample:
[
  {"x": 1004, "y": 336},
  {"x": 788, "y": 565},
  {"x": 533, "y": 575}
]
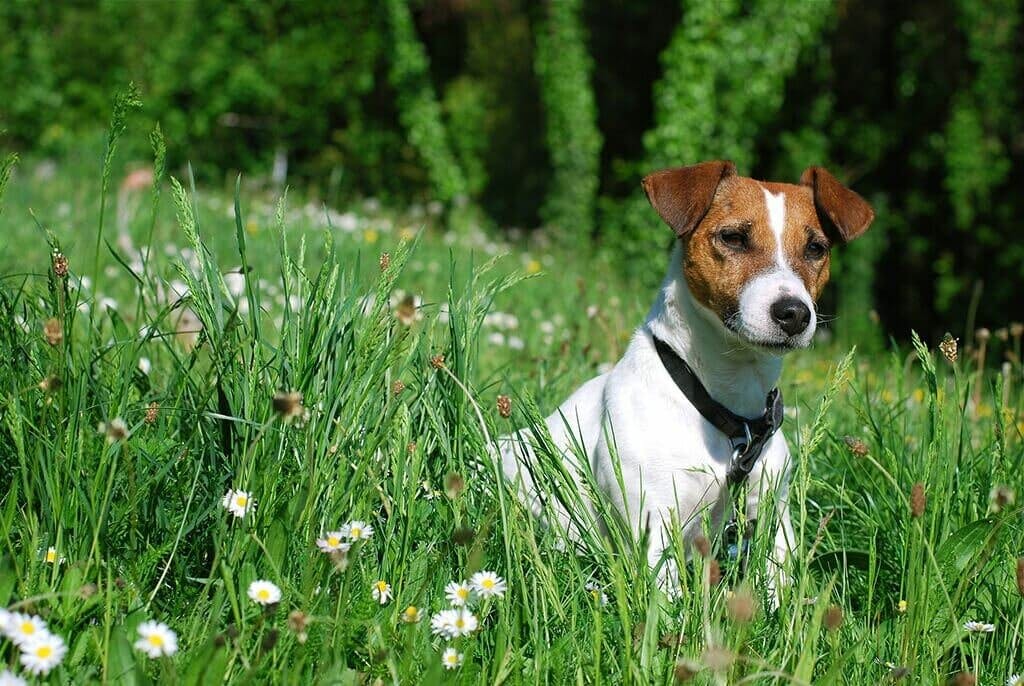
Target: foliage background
[{"x": 534, "y": 113}]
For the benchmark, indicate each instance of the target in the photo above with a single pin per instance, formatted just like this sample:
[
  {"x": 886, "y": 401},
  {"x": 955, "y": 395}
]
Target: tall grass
[{"x": 395, "y": 424}]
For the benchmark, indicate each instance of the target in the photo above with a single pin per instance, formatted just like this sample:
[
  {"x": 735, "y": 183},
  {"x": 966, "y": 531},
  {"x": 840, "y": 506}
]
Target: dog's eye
[
  {"x": 735, "y": 238},
  {"x": 815, "y": 250}
]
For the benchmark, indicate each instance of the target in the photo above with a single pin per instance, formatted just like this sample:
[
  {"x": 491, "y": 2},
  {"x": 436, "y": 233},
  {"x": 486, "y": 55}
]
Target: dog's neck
[{"x": 736, "y": 375}]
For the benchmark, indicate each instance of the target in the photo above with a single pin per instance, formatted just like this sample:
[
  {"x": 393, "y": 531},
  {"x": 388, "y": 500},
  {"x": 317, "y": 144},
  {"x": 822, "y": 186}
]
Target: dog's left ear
[
  {"x": 682, "y": 196},
  {"x": 844, "y": 215}
]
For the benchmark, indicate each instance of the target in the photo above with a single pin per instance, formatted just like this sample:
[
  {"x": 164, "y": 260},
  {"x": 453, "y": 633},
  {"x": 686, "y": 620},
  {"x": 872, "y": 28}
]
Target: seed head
[
  {"x": 855, "y": 446},
  {"x": 685, "y": 671},
  {"x": 1000, "y": 497},
  {"x": 714, "y": 573},
  {"x": 437, "y": 361},
  {"x": 948, "y": 348},
  {"x": 60, "y": 264},
  {"x": 982, "y": 335},
  {"x": 115, "y": 430},
  {"x": 411, "y": 448},
  {"x": 463, "y": 536},
  {"x": 1016, "y": 329},
  {"x": 397, "y": 386},
  {"x": 504, "y": 406},
  {"x": 269, "y": 640},
  {"x": 833, "y": 617},
  {"x": 152, "y": 412},
  {"x": 1002, "y": 334},
  {"x": 288, "y": 405},
  {"x": 385, "y": 261},
  {"x": 86, "y": 591},
  {"x": 53, "y": 331},
  {"x": 718, "y": 659},
  {"x": 741, "y": 606},
  {"x": 1020, "y": 575},
  {"x": 964, "y": 679},
  {"x": 454, "y": 484},
  {"x": 702, "y": 545},
  {"x": 918, "y": 500},
  {"x": 297, "y": 622},
  {"x": 671, "y": 640},
  {"x": 50, "y": 383}
]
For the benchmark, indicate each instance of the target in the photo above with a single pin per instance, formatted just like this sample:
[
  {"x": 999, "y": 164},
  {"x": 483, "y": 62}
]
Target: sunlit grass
[{"x": 263, "y": 345}]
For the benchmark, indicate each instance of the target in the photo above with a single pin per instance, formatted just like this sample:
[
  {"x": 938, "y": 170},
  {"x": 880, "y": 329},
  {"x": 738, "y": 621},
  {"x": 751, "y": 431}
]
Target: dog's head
[{"x": 756, "y": 254}]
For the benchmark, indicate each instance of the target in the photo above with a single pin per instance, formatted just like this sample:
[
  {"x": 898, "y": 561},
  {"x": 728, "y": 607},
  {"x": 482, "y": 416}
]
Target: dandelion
[
  {"x": 9, "y": 678},
  {"x": 487, "y": 584},
  {"x": 264, "y": 592},
  {"x": 382, "y": 592},
  {"x": 357, "y": 531},
  {"x": 451, "y": 658},
  {"x": 333, "y": 541},
  {"x": 979, "y": 627},
  {"x": 43, "y": 652},
  {"x": 458, "y": 593},
  {"x": 156, "y": 639},
  {"x": 411, "y": 615},
  {"x": 238, "y": 503},
  {"x": 22, "y": 628}
]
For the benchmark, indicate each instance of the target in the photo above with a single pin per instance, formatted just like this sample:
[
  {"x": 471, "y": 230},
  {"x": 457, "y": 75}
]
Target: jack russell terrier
[{"x": 691, "y": 411}]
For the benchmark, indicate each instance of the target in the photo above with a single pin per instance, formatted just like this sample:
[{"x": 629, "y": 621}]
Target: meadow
[{"x": 346, "y": 369}]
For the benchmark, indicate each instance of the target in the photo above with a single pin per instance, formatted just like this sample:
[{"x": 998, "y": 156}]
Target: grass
[{"x": 881, "y": 590}]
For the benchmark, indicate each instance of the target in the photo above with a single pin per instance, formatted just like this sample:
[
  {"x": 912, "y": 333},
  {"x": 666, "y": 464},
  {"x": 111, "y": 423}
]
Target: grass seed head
[
  {"x": 833, "y": 618},
  {"x": 982, "y": 335},
  {"x": 60, "y": 264},
  {"x": 714, "y": 573},
  {"x": 671, "y": 640},
  {"x": 50, "y": 384},
  {"x": 385, "y": 261},
  {"x": 454, "y": 484},
  {"x": 504, "y": 406},
  {"x": 288, "y": 405},
  {"x": 437, "y": 361},
  {"x": 856, "y": 446},
  {"x": 1016, "y": 329},
  {"x": 718, "y": 659},
  {"x": 741, "y": 606},
  {"x": 152, "y": 412},
  {"x": 918, "y": 500},
  {"x": 1001, "y": 497},
  {"x": 397, "y": 386},
  {"x": 53, "y": 331},
  {"x": 702, "y": 545},
  {"x": 116, "y": 430},
  {"x": 685, "y": 671}
]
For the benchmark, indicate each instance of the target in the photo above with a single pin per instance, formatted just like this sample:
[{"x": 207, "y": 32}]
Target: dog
[{"x": 687, "y": 421}]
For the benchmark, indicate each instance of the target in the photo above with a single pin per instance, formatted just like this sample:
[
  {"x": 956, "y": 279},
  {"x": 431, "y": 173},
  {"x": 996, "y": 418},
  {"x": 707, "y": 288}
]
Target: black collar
[{"x": 748, "y": 436}]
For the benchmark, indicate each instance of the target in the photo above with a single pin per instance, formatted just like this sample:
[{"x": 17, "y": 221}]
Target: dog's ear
[
  {"x": 682, "y": 196},
  {"x": 844, "y": 215}
]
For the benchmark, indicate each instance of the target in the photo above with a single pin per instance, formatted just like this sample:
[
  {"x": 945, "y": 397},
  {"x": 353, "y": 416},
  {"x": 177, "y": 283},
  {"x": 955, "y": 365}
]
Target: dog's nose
[{"x": 791, "y": 314}]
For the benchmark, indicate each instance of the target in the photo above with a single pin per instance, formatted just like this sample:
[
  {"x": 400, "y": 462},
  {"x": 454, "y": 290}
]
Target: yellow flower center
[
  {"x": 263, "y": 594},
  {"x": 452, "y": 659},
  {"x": 410, "y": 611},
  {"x": 382, "y": 586},
  {"x": 460, "y": 622},
  {"x": 333, "y": 541},
  {"x": 28, "y": 628},
  {"x": 44, "y": 651},
  {"x": 356, "y": 532},
  {"x": 156, "y": 640},
  {"x": 462, "y": 593},
  {"x": 241, "y": 500},
  {"x": 487, "y": 583},
  {"x": 51, "y": 555}
]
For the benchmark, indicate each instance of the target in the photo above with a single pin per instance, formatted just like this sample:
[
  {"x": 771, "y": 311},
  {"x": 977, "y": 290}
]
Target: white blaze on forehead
[{"x": 776, "y": 203}]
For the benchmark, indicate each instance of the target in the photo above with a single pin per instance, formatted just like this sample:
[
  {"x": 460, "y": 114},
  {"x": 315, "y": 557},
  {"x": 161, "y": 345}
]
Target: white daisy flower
[
  {"x": 156, "y": 639},
  {"x": 442, "y": 623},
  {"x": 42, "y": 653},
  {"x": 487, "y": 584},
  {"x": 381, "y": 592},
  {"x": 9, "y": 678},
  {"x": 145, "y": 366},
  {"x": 264, "y": 592},
  {"x": 333, "y": 541},
  {"x": 1015, "y": 680},
  {"x": 357, "y": 530},
  {"x": 51, "y": 555},
  {"x": 597, "y": 594},
  {"x": 458, "y": 593},
  {"x": 979, "y": 627},
  {"x": 411, "y": 615},
  {"x": 21, "y": 628},
  {"x": 238, "y": 502},
  {"x": 464, "y": 623},
  {"x": 451, "y": 658}
]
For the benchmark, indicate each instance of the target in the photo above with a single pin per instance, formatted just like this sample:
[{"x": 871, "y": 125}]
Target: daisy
[
  {"x": 443, "y": 623},
  {"x": 597, "y": 594},
  {"x": 156, "y": 639},
  {"x": 979, "y": 627},
  {"x": 8, "y": 678},
  {"x": 458, "y": 593},
  {"x": 1015, "y": 680},
  {"x": 487, "y": 584},
  {"x": 382, "y": 592},
  {"x": 451, "y": 658},
  {"x": 44, "y": 652},
  {"x": 332, "y": 542},
  {"x": 21, "y": 628},
  {"x": 238, "y": 502},
  {"x": 411, "y": 614},
  {"x": 264, "y": 592},
  {"x": 464, "y": 623},
  {"x": 357, "y": 531}
]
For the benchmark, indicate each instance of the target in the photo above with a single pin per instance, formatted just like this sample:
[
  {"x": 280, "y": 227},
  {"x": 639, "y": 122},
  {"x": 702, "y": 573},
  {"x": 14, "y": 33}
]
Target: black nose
[{"x": 791, "y": 314}]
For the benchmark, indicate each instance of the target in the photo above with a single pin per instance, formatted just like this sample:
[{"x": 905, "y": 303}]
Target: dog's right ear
[{"x": 682, "y": 196}]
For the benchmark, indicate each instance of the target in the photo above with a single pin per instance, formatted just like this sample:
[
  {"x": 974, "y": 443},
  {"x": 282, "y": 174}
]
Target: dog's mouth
[{"x": 777, "y": 345}]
